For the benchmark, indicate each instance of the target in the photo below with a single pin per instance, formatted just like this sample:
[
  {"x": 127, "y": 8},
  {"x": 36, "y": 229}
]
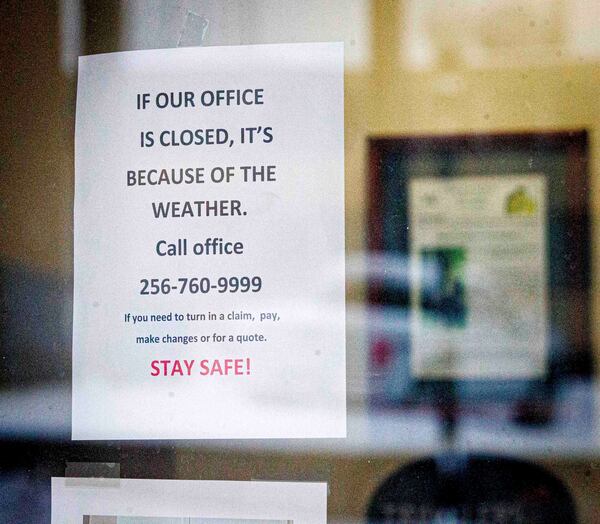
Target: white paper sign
[
  {"x": 478, "y": 264},
  {"x": 209, "y": 293},
  {"x": 136, "y": 501}
]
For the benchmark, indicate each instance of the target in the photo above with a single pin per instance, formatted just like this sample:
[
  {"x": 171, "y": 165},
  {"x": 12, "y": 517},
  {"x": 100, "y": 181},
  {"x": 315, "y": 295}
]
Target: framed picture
[{"x": 478, "y": 285}]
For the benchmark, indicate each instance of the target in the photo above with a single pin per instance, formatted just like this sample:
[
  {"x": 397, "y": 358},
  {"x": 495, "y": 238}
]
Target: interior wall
[{"x": 36, "y": 140}]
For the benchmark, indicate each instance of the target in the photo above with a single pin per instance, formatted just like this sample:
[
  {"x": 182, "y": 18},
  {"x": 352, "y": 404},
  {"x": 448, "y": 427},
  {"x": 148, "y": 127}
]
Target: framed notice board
[{"x": 479, "y": 275}]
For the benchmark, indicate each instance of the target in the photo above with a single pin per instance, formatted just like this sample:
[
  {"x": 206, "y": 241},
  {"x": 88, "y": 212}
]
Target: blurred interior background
[{"x": 414, "y": 68}]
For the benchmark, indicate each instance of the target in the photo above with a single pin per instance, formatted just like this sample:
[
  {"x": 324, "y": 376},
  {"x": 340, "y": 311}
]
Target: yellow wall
[{"x": 36, "y": 141}]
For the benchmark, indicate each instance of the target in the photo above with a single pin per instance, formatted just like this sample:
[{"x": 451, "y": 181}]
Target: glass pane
[{"x": 471, "y": 211}]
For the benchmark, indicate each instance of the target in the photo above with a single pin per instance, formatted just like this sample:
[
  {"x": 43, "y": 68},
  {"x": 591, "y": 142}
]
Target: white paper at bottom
[{"x": 135, "y": 501}]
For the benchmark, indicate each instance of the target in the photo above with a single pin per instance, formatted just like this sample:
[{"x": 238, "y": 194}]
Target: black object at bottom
[{"x": 469, "y": 490}]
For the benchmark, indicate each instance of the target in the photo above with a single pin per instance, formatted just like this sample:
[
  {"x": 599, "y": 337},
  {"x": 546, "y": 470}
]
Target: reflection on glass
[{"x": 475, "y": 69}]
